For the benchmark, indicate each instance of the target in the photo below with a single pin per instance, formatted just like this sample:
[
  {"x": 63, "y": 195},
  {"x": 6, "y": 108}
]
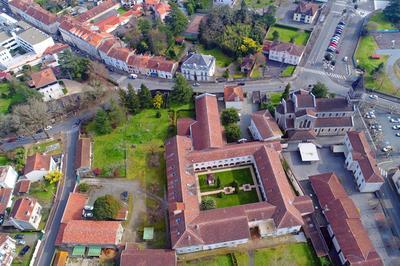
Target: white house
[
  {"x": 199, "y": 67},
  {"x": 305, "y": 12},
  {"x": 130, "y": 3},
  {"x": 361, "y": 161},
  {"x": 233, "y": 97},
  {"x": 7, "y": 249},
  {"x": 263, "y": 126},
  {"x": 25, "y": 214},
  {"x": 46, "y": 83},
  {"x": 288, "y": 53},
  {"x": 8, "y": 176},
  {"x": 38, "y": 165}
]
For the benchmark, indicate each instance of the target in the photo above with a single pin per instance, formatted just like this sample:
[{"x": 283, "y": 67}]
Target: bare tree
[
  {"x": 9, "y": 124},
  {"x": 33, "y": 115},
  {"x": 96, "y": 70}
]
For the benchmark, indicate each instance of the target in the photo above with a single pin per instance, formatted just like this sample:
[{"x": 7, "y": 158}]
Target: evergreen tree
[
  {"x": 392, "y": 11},
  {"x": 181, "y": 92},
  {"x": 115, "y": 114},
  {"x": 176, "y": 20},
  {"x": 285, "y": 94},
  {"x": 145, "y": 97},
  {"x": 102, "y": 123}
]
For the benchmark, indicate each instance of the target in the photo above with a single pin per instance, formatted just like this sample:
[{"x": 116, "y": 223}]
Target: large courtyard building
[
  {"x": 199, "y": 151},
  {"x": 324, "y": 116},
  {"x": 360, "y": 159}
]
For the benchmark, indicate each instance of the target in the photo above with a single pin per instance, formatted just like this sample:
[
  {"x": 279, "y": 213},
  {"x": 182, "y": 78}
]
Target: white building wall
[
  {"x": 36, "y": 175},
  {"x": 51, "y": 92},
  {"x": 10, "y": 179},
  {"x": 254, "y": 131},
  {"x": 237, "y": 105}
]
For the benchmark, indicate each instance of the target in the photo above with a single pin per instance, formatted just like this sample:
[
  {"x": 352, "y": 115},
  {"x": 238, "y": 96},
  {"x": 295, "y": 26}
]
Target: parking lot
[{"x": 368, "y": 204}]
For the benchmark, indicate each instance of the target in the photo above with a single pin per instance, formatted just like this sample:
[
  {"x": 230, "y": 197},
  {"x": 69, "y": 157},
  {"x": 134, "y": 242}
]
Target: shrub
[
  {"x": 83, "y": 187},
  {"x": 106, "y": 208},
  {"x": 208, "y": 203},
  {"x": 158, "y": 114}
]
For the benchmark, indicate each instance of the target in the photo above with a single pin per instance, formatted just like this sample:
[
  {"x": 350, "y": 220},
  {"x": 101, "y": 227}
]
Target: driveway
[
  {"x": 115, "y": 186},
  {"x": 245, "y": 116},
  {"x": 394, "y": 55}
]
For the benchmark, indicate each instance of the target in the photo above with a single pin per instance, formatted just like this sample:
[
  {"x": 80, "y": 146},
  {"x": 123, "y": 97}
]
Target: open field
[
  {"x": 222, "y": 60},
  {"x": 381, "y": 82},
  {"x": 381, "y": 22},
  {"x": 286, "y": 34},
  {"x": 222, "y": 260},
  {"x": 6, "y": 100}
]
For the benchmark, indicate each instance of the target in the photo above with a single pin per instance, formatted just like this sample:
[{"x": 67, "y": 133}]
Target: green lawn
[
  {"x": 4, "y": 160},
  {"x": 242, "y": 258},
  {"x": 241, "y": 176},
  {"x": 366, "y": 48},
  {"x": 121, "y": 10},
  {"x": 381, "y": 22},
  {"x": 298, "y": 254},
  {"x": 43, "y": 191},
  {"x": 288, "y": 71},
  {"x": 221, "y": 260},
  {"x": 286, "y": 33},
  {"x": 259, "y": 3},
  {"x": 6, "y": 100},
  {"x": 240, "y": 198},
  {"x": 45, "y": 147},
  {"x": 275, "y": 98},
  {"x": 222, "y": 60},
  {"x": 256, "y": 73}
]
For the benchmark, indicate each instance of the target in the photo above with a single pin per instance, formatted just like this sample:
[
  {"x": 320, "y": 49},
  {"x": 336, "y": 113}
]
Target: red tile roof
[
  {"x": 363, "y": 154},
  {"x": 296, "y": 135},
  {"x": 233, "y": 93},
  {"x": 84, "y": 232},
  {"x": 346, "y": 121},
  {"x": 73, "y": 208},
  {"x": 5, "y": 195},
  {"x": 183, "y": 126},
  {"x": 56, "y": 48},
  {"x": 344, "y": 219},
  {"x": 22, "y": 186},
  {"x": 83, "y": 153},
  {"x": 207, "y": 131},
  {"x": 43, "y": 78},
  {"x": 22, "y": 209},
  {"x": 106, "y": 45},
  {"x": 332, "y": 105},
  {"x": 290, "y": 48},
  {"x": 194, "y": 25},
  {"x": 162, "y": 8},
  {"x": 37, "y": 162},
  {"x": 34, "y": 10},
  {"x": 160, "y": 64},
  {"x": 266, "y": 124},
  {"x": 96, "y": 11},
  {"x": 133, "y": 256},
  {"x": 119, "y": 53},
  {"x": 305, "y": 8}
]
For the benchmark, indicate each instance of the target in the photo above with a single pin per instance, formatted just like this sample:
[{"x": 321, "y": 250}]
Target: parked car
[
  {"x": 331, "y": 49},
  {"x": 396, "y": 127},
  {"x": 394, "y": 120},
  {"x": 397, "y": 134},
  {"x": 342, "y": 23},
  {"x": 133, "y": 76},
  {"x": 88, "y": 208},
  {"x": 1, "y": 219},
  {"x": 387, "y": 148},
  {"x": 19, "y": 236},
  {"x": 24, "y": 250},
  {"x": 333, "y": 44},
  {"x": 196, "y": 84},
  {"x": 20, "y": 242},
  {"x": 48, "y": 128},
  {"x": 124, "y": 196},
  {"x": 241, "y": 83}
]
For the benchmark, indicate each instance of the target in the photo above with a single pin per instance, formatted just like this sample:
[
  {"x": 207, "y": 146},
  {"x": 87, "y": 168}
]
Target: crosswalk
[{"x": 322, "y": 73}]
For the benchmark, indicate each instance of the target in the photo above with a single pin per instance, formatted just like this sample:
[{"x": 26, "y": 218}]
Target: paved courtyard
[{"x": 370, "y": 210}]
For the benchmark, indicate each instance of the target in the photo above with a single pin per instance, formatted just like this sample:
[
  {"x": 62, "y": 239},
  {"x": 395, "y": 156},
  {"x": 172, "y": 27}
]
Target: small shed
[
  {"x": 148, "y": 233},
  {"x": 308, "y": 152}
]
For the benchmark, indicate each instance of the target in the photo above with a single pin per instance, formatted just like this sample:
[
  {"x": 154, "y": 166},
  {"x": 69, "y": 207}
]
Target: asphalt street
[{"x": 46, "y": 251}]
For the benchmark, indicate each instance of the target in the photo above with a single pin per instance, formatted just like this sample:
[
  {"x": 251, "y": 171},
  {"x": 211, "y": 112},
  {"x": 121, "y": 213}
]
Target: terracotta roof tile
[
  {"x": 119, "y": 53},
  {"x": 37, "y": 162},
  {"x": 296, "y": 135},
  {"x": 106, "y": 45},
  {"x": 233, "y": 93},
  {"x": 22, "y": 186},
  {"x": 290, "y": 48},
  {"x": 194, "y": 25},
  {"x": 73, "y": 209},
  {"x": 346, "y": 121},
  {"x": 133, "y": 256},
  {"x": 43, "y": 78},
  {"x": 34, "y": 10},
  {"x": 83, "y": 153},
  {"x": 22, "y": 209},
  {"x": 97, "y": 10},
  {"x": 5, "y": 196},
  {"x": 266, "y": 124},
  {"x": 183, "y": 126},
  {"x": 56, "y": 48},
  {"x": 305, "y": 8}
]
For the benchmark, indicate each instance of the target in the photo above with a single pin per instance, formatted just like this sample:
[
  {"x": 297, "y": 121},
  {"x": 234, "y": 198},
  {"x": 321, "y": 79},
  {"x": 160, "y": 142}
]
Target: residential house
[
  {"x": 38, "y": 165},
  {"x": 118, "y": 58},
  {"x": 161, "y": 10},
  {"x": 360, "y": 159},
  {"x": 224, "y": 2},
  {"x": 346, "y": 231},
  {"x": 52, "y": 54},
  {"x": 83, "y": 158},
  {"x": 7, "y": 249},
  {"x": 199, "y": 146},
  {"x": 25, "y": 214},
  {"x": 75, "y": 232},
  {"x": 198, "y": 67},
  {"x": 22, "y": 187},
  {"x": 305, "y": 12},
  {"x": 5, "y": 199},
  {"x": 133, "y": 256},
  {"x": 233, "y": 97},
  {"x": 263, "y": 126},
  {"x": 288, "y": 53},
  {"x": 35, "y": 14},
  {"x": 325, "y": 116},
  {"x": 98, "y": 11},
  {"x": 247, "y": 64},
  {"x": 46, "y": 83},
  {"x": 8, "y": 176},
  {"x": 160, "y": 67}
]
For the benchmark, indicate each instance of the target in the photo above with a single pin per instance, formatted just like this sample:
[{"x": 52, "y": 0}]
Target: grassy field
[
  {"x": 221, "y": 260},
  {"x": 275, "y": 98},
  {"x": 286, "y": 33},
  {"x": 5, "y": 99},
  {"x": 44, "y": 147},
  {"x": 43, "y": 191},
  {"x": 288, "y": 71},
  {"x": 259, "y": 3},
  {"x": 241, "y": 176},
  {"x": 381, "y": 22},
  {"x": 366, "y": 48},
  {"x": 222, "y": 60},
  {"x": 299, "y": 254},
  {"x": 236, "y": 199}
]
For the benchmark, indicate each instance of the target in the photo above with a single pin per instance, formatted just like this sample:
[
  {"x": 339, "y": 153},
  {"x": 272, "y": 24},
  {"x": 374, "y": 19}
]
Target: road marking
[{"x": 322, "y": 73}]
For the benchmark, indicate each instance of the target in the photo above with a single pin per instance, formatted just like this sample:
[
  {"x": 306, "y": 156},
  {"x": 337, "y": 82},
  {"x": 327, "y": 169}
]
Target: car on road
[
  {"x": 88, "y": 208},
  {"x": 48, "y": 128},
  {"x": 394, "y": 120},
  {"x": 387, "y": 148},
  {"x": 342, "y": 23},
  {"x": 20, "y": 242},
  {"x": 124, "y": 196},
  {"x": 24, "y": 250},
  {"x": 196, "y": 84},
  {"x": 396, "y": 127},
  {"x": 397, "y": 134},
  {"x": 241, "y": 84},
  {"x": 133, "y": 76},
  {"x": 19, "y": 236},
  {"x": 373, "y": 96}
]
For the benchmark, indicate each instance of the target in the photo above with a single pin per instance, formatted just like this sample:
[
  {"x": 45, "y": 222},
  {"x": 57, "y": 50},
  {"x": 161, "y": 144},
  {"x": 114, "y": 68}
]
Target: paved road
[
  {"x": 394, "y": 55},
  {"x": 46, "y": 252}
]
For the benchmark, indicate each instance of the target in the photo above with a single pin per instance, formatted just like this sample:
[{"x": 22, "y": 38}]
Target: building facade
[
  {"x": 7, "y": 250},
  {"x": 8, "y": 176},
  {"x": 325, "y": 116},
  {"x": 305, "y": 12},
  {"x": 199, "y": 67},
  {"x": 25, "y": 214},
  {"x": 287, "y": 53}
]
